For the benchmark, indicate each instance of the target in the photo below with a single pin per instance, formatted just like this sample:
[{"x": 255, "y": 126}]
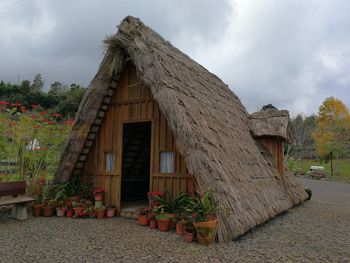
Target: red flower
[
  {"x": 16, "y": 104},
  {"x": 4, "y": 102},
  {"x": 34, "y": 106},
  {"x": 98, "y": 190},
  {"x": 56, "y": 115},
  {"x": 42, "y": 113},
  {"x": 50, "y": 122}
]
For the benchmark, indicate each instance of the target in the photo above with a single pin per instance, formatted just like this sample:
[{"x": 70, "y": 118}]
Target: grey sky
[{"x": 291, "y": 53}]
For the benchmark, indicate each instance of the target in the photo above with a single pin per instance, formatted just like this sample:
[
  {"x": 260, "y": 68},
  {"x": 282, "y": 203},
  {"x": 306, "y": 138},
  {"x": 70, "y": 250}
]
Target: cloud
[{"x": 290, "y": 53}]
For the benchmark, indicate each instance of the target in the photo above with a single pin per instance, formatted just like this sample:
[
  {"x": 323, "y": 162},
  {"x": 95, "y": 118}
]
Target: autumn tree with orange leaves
[{"x": 332, "y": 134}]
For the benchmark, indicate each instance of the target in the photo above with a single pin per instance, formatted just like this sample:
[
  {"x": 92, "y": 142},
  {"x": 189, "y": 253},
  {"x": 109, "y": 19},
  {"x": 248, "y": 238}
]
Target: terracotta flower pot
[
  {"x": 206, "y": 231},
  {"x": 111, "y": 212},
  {"x": 98, "y": 197},
  {"x": 189, "y": 237},
  {"x": 143, "y": 220},
  {"x": 60, "y": 211},
  {"x": 172, "y": 218},
  {"x": 153, "y": 224},
  {"x": 70, "y": 212},
  {"x": 37, "y": 210},
  {"x": 100, "y": 213},
  {"x": 47, "y": 211},
  {"x": 180, "y": 228},
  {"x": 164, "y": 224}
]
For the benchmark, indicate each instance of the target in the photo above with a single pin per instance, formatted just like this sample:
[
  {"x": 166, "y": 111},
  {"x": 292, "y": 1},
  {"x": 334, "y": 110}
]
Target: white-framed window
[
  {"x": 166, "y": 162},
  {"x": 110, "y": 162}
]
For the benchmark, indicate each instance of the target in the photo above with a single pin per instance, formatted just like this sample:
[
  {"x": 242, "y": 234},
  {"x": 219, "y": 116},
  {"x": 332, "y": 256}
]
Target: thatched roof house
[{"x": 208, "y": 128}]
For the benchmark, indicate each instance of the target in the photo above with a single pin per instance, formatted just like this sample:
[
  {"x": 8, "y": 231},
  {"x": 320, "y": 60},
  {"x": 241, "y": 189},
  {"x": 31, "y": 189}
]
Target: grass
[{"x": 344, "y": 168}]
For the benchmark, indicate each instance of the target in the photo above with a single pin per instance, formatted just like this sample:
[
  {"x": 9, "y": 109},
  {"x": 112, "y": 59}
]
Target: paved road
[{"x": 334, "y": 193}]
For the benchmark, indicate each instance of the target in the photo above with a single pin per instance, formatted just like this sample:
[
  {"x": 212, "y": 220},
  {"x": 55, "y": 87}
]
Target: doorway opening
[{"x": 135, "y": 180}]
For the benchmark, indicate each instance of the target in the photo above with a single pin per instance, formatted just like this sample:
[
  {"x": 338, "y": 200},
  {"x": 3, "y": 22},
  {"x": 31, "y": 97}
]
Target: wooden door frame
[{"x": 120, "y": 154}]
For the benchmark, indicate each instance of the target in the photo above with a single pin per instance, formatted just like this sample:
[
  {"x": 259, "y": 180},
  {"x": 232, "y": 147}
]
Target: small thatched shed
[{"x": 154, "y": 119}]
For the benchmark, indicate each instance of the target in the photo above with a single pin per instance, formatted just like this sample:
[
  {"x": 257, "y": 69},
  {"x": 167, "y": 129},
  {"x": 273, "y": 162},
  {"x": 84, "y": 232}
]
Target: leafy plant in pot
[
  {"x": 143, "y": 213},
  {"x": 98, "y": 193},
  {"x": 61, "y": 209},
  {"x": 100, "y": 212},
  {"x": 204, "y": 220},
  {"x": 78, "y": 209},
  {"x": 111, "y": 209},
  {"x": 153, "y": 198},
  {"x": 152, "y": 218},
  {"x": 189, "y": 232},
  {"x": 71, "y": 189},
  {"x": 173, "y": 205},
  {"x": 37, "y": 209},
  {"x": 48, "y": 210},
  {"x": 163, "y": 221},
  {"x": 181, "y": 221},
  {"x": 38, "y": 196},
  {"x": 69, "y": 211}
]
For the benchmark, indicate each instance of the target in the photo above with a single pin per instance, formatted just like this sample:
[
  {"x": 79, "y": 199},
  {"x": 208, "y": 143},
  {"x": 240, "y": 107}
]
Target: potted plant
[
  {"x": 152, "y": 219},
  {"x": 153, "y": 197},
  {"x": 100, "y": 212},
  {"x": 111, "y": 209},
  {"x": 204, "y": 222},
  {"x": 37, "y": 209},
  {"x": 90, "y": 211},
  {"x": 98, "y": 193},
  {"x": 189, "y": 232},
  {"x": 38, "y": 194},
  {"x": 69, "y": 206},
  {"x": 61, "y": 209},
  {"x": 78, "y": 209},
  {"x": 181, "y": 221},
  {"x": 143, "y": 216},
  {"x": 69, "y": 190},
  {"x": 163, "y": 221},
  {"x": 173, "y": 205},
  {"x": 47, "y": 210}
]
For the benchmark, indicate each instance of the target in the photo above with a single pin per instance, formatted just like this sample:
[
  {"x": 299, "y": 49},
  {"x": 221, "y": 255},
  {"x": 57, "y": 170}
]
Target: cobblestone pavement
[{"x": 313, "y": 232}]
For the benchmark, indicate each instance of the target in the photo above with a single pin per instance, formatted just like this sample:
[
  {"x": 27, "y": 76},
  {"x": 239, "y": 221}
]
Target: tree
[
  {"x": 332, "y": 133},
  {"x": 268, "y": 107},
  {"x": 70, "y": 105},
  {"x": 301, "y": 131},
  {"x": 38, "y": 83}
]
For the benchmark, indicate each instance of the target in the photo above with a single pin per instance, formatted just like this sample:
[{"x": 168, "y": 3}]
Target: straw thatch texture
[
  {"x": 210, "y": 125},
  {"x": 270, "y": 123}
]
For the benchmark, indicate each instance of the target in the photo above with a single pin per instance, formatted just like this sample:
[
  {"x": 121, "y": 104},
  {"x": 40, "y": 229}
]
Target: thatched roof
[
  {"x": 270, "y": 123},
  {"x": 209, "y": 122}
]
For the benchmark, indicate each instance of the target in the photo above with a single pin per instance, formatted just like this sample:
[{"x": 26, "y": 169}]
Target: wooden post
[{"x": 331, "y": 156}]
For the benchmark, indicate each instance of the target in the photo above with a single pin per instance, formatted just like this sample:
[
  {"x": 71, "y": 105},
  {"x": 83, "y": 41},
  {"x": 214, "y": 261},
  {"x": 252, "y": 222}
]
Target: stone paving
[{"x": 313, "y": 232}]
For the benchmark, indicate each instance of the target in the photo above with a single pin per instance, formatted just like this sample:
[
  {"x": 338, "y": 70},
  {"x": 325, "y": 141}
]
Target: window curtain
[
  {"x": 110, "y": 161},
  {"x": 166, "y": 162}
]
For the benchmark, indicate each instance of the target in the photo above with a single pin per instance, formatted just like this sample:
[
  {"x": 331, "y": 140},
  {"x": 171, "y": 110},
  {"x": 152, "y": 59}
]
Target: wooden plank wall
[
  {"x": 133, "y": 102},
  {"x": 275, "y": 147}
]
